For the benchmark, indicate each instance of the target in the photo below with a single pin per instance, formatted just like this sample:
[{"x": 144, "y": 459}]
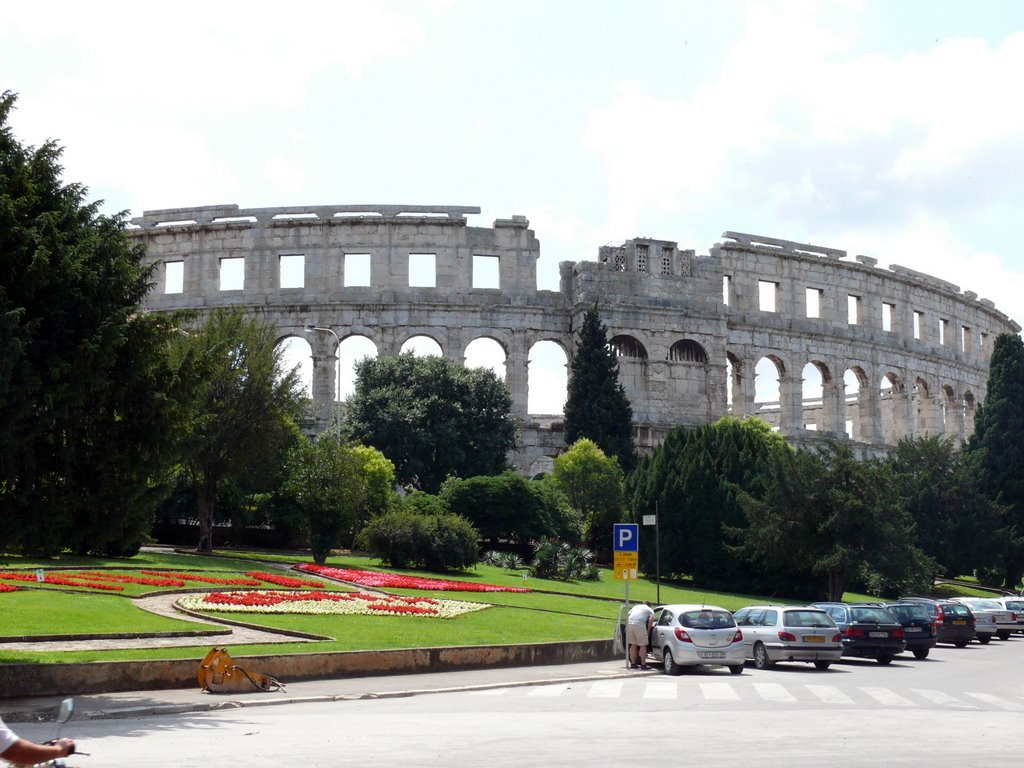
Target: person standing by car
[
  {"x": 638, "y": 630},
  {"x": 15, "y": 750}
]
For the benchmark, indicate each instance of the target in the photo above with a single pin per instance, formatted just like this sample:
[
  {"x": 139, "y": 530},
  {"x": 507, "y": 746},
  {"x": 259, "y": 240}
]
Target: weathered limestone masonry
[{"x": 899, "y": 353}]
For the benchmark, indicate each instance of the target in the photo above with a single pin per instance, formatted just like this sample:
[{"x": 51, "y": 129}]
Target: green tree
[
  {"x": 692, "y": 482},
  {"x": 596, "y": 406},
  {"x": 508, "y": 507},
  {"x": 955, "y": 523},
  {"x": 432, "y": 418},
  {"x": 337, "y": 487},
  {"x": 998, "y": 445},
  {"x": 240, "y": 410},
  {"x": 593, "y": 485},
  {"x": 85, "y": 415}
]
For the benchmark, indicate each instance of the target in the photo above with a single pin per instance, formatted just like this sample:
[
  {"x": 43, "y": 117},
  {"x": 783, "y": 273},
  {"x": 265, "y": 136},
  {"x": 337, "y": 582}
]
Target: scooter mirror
[{"x": 65, "y": 710}]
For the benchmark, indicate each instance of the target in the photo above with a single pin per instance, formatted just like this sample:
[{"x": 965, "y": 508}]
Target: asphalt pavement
[{"x": 133, "y": 704}]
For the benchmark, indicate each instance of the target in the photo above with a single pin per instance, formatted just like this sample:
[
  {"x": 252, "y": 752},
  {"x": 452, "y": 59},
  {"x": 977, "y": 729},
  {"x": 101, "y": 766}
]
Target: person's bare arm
[{"x": 23, "y": 751}]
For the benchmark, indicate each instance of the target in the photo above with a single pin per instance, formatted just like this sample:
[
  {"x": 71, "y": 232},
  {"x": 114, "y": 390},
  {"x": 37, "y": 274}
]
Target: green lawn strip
[
  {"x": 495, "y": 626},
  {"x": 46, "y": 612},
  {"x": 155, "y": 560}
]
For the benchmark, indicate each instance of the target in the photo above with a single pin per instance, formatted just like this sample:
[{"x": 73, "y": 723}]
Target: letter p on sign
[{"x": 626, "y": 537}]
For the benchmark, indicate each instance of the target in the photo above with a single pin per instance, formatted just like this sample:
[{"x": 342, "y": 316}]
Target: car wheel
[
  {"x": 887, "y": 659},
  {"x": 1003, "y": 634},
  {"x": 671, "y": 668},
  {"x": 736, "y": 669},
  {"x": 961, "y": 643},
  {"x": 822, "y": 665},
  {"x": 761, "y": 660},
  {"x": 921, "y": 653},
  {"x": 984, "y": 639}
]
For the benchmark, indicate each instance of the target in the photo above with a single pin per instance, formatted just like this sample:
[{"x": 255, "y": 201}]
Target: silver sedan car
[
  {"x": 773, "y": 633},
  {"x": 1005, "y": 623},
  {"x": 696, "y": 635}
]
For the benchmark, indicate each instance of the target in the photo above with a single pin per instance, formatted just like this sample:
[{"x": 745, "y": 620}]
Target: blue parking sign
[{"x": 626, "y": 537}]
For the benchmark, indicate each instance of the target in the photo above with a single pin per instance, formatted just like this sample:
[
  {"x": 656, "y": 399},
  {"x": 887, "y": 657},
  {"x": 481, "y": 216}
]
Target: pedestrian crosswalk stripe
[
  {"x": 490, "y": 692},
  {"x": 773, "y": 692},
  {"x": 829, "y": 694},
  {"x": 549, "y": 690},
  {"x": 943, "y": 698},
  {"x": 661, "y": 691},
  {"x": 988, "y": 698},
  {"x": 605, "y": 689},
  {"x": 888, "y": 698},
  {"x": 719, "y": 692}
]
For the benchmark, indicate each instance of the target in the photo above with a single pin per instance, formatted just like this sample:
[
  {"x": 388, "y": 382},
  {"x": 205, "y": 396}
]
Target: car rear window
[
  {"x": 878, "y": 615},
  {"x": 818, "y": 619},
  {"x": 706, "y": 619},
  {"x": 1015, "y": 605},
  {"x": 956, "y": 610},
  {"x": 910, "y": 612}
]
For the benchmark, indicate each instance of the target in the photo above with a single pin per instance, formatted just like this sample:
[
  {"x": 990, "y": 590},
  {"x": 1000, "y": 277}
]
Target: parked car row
[{"x": 685, "y": 635}]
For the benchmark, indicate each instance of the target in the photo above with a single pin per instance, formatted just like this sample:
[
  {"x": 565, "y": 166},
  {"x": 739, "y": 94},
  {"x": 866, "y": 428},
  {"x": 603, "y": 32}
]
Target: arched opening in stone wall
[
  {"x": 734, "y": 385},
  {"x": 814, "y": 376},
  {"x": 855, "y": 395},
  {"x": 297, "y": 353},
  {"x": 632, "y": 363},
  {"x": 767, "y": 388},
  {"x": 353, "y": 348},
  {"x": 951, "y": 415},
  {"x": 970, "y": 407},
  {"x": 547, "y": 378},
  {"x": 688, "y": 372},
  {"x": 422, "y": 346},
  {"x": 892, "y": 401},
  {"x": 485, "y": 352},
  {"x": 925, "y": 417}
]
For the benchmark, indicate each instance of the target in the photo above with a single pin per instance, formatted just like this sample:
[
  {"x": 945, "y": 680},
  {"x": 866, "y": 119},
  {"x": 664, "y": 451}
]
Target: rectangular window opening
[
  {"x": 853, "y": 310},
  {"x": 815, "y": 297},
  {"x": 232, "y": 273},
  {"x": 943, "y": 332},
  {"x": 965, "y": 339},
  {"x": 357, "y": 270},
  {"x": 486, "y": 271},
  {"x": 766, "y": 294},
  {"x": 888, "y": 310},
  {"x": 293, "y": 270},
  {"x": 422, "y": 270},
  {"x": 727, "y": 290},
  {"x": 174, "y": 277},
  {"x": 917, "y": 323}
]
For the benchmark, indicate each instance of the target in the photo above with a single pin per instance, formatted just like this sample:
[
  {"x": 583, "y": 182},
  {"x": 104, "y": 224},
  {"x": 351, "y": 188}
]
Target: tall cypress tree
[
  {"x": 597, "y": 407},
  {"x": 998, "y": 443}
]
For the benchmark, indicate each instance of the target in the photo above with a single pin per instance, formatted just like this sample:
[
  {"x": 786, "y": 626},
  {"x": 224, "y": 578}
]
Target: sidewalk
[{"x": 177, "y": 701}]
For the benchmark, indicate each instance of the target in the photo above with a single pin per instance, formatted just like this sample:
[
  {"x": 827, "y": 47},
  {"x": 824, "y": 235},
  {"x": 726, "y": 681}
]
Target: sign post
[{"x": 626, "y": 553}]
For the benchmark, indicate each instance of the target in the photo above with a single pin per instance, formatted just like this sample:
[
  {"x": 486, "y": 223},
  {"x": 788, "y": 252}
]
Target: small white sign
[
  {"x": 650, "y": 519},
  {"x": 40, "y": 576}
]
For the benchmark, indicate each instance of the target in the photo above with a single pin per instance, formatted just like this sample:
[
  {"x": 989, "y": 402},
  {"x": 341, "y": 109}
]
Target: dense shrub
[
  {"x": 402, "y": 538},
  {"x": 560, "y": 560}
]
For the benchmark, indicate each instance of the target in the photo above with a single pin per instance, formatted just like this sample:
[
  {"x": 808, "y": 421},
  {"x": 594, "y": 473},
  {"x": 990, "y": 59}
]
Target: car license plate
[
  {"x": 814, "y": 639},
  {"x": 710, "y": 654},
  {"x": 912, "y": 629},
  {"x": 960, "y": 622},
  {"x": 878, "y": 634}
]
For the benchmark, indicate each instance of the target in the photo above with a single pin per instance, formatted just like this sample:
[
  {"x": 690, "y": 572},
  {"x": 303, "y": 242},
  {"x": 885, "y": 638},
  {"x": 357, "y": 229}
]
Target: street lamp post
[{"x": 337, "y": 362}]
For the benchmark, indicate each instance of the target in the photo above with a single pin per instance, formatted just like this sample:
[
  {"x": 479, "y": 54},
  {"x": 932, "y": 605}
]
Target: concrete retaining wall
[{"x": 23, "y": 680}]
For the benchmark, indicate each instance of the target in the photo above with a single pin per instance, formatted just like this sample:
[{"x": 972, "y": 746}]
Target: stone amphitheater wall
[{"x": 898, "y": 353}]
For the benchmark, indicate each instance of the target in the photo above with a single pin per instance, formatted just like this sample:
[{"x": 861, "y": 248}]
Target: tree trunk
[
  {"x": 206, "y": 499},
  {"x": 836, "y": 585}
]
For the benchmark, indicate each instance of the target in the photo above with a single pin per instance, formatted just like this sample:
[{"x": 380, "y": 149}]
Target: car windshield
[
  {"x": 910, "y": 612},
  {"x": 815, "y": 619},
  {"x": 876, "y": 615},
  {"x": 706, "y": 619}
]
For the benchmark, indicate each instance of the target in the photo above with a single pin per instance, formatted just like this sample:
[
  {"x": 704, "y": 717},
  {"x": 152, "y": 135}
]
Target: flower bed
[
  {"x": 283, "y": 581},
  {"x": 8, "y": 588},
  {"x": 380, "y": 579},
  {"x": 320, "y": 602},
  {"x": 206, "y": 579},
  {"x": 63, "y": 581}
]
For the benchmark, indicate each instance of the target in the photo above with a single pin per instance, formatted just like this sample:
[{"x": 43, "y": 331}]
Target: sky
[{"x": 889, "y": 128}]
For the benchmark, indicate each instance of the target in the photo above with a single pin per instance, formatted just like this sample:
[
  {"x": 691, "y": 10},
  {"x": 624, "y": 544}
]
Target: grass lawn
[{"x": 554, "y": 611}]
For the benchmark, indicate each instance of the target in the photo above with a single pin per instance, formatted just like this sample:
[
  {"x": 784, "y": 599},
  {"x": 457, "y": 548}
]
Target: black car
[
  {"x": 869, "y": 630},
  {"x": 953, "y": 625},
  {"x": 919, "y": 627}
]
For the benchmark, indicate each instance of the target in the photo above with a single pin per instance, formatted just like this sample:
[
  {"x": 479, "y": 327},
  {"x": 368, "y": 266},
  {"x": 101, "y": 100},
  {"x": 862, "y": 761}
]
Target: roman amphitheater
[{"x": 811, "y": 340}]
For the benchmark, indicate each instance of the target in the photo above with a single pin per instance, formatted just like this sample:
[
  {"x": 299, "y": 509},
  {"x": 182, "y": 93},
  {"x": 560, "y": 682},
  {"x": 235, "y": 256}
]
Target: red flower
[{"x": 380, "y": 579}]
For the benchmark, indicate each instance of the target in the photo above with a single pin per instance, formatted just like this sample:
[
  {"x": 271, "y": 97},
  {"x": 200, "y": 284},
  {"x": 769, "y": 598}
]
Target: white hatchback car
[
  {"x": 696, "y": 635},
  {"x": 774, "y": 633}
]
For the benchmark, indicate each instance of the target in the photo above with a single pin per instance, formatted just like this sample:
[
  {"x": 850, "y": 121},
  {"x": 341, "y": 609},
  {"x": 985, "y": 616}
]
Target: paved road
[{"x": 960, "y": 708}]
